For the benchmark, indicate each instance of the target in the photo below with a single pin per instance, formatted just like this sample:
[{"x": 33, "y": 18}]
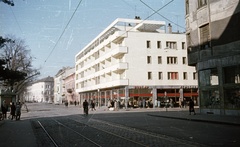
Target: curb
[{"x": 198, "y": 120}]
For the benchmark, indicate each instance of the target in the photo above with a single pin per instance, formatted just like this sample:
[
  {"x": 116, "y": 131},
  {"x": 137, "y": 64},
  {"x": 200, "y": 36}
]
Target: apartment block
[{"x": 135, "y": 60}]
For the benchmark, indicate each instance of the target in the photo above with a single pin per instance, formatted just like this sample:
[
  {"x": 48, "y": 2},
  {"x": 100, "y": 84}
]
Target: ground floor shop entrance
[{"x": 142, "y": 96}]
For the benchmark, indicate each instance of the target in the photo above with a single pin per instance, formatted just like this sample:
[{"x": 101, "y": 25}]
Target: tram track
[{"x": 75, "y": 131}]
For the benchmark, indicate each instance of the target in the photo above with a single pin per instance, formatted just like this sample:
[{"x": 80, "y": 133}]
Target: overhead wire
[
  {"x": 63, "y": 31},
  {"x": 162, "y": 15}
]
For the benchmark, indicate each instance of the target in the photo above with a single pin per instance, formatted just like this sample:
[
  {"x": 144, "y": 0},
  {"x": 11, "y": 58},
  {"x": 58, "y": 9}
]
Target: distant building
[
  {"x": 61, "y": 94},
  {"x": 69, "y": 89},
  {"x": 40, "y": 91},
  {"x": 213, "y": 41},
  {"x": 134, "y": 61}
]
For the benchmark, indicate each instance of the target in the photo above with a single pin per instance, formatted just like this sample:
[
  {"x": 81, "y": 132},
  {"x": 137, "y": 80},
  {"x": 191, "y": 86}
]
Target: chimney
[
  {"x": 137, "y": 17},
  {"x": 169, "y": 28}
]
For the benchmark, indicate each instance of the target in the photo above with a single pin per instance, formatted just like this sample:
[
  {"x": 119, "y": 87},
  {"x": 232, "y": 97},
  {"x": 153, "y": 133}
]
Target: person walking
[
  {"x": 18, "y": 111},
  {"x": 93, "y": 105},
  {"x": 85, "y": 107},
  {"x": 4, "y": 108},
  {"x": 13, "y": 110},
  {"x": 191, "y": 107}
]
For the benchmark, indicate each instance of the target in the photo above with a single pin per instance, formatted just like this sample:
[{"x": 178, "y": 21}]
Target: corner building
[
  {"x": 213, "y": 44},
  {"x": 135, "y": 61}
]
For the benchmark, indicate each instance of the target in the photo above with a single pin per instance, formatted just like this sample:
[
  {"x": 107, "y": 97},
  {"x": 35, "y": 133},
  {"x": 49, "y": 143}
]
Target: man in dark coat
[
  {"x": 85, "y": 107},
  {"x": 4, "y": 108},
  {"x": 13, "y": 110},
  {"x": 191, "y": 107}
]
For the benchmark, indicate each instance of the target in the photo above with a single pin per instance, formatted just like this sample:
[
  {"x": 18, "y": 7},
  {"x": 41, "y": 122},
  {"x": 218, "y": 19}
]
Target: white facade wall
[
  {"x": 119, "y": 58},
  {"x": 37, "y": 92},
  {"x": 58, "y": 92}
]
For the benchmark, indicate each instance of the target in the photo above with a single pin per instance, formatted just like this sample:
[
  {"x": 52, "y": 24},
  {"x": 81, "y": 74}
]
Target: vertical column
[
  {"x": 221, "y": 89},
  {"x": 105, "y": 95},
  {"x": 154, "y": 95},
  {"x": 126, "y": 96}
]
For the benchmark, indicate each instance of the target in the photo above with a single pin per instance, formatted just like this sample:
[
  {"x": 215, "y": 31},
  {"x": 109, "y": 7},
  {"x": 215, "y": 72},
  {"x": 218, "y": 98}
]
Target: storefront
[{"x": 142, "y": 96}]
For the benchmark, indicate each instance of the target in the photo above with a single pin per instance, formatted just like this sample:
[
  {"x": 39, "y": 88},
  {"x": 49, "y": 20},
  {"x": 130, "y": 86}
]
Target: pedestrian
[
  {"x": 75, "y": 103},
  {"x": 85, "y": 107},
  {"x": 4, "y": 108},
  {"x": 13, "y": 110},
  {"x": 18, "y": 111},
  {"x": 93, "y": 105},
  {"x": 191, "y": 107}
]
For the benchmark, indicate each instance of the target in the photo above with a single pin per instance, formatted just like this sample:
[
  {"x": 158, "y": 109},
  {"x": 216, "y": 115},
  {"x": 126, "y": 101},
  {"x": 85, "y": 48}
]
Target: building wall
[
  {"x": 118, "y": 66},
  {"x": 215, "y": 53}
]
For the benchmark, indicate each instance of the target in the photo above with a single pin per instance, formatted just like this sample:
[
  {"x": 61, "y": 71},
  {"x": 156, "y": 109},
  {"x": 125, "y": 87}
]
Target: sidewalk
[{"x": 183, "y": 114}]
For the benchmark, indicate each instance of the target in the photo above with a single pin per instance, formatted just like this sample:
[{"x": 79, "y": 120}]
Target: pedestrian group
[{"x": 15, "y": 111}]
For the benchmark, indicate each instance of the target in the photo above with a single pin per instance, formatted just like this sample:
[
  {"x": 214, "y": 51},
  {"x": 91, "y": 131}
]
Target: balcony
[
  {"x": 119, "y": 51},
  {"x": 119, "y": 67}
]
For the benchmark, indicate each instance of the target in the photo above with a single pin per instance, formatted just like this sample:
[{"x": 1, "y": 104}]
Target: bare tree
[{"x": 18, "y": 68}]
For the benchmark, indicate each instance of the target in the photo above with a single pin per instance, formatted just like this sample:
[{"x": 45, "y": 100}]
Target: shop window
[
  {"x": 210, "y": 98},
  {"x": 232, "y": 74},
  {"x": 208, "y": 77},
  {"x": 232, "y": 98}
]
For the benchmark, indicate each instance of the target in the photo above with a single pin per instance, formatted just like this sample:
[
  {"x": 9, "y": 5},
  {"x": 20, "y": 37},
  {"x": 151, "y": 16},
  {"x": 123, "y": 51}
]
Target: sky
[{"x": 56, "y": 30}]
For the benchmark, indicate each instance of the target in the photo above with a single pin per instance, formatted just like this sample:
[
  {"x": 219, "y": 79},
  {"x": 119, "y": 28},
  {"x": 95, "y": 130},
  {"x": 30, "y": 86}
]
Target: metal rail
[{"x": 55, "y": 144}]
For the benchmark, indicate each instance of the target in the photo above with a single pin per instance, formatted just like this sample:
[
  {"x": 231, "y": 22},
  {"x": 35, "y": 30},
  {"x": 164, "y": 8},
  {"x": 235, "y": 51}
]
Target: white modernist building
[{"x": 138, "y": 60}]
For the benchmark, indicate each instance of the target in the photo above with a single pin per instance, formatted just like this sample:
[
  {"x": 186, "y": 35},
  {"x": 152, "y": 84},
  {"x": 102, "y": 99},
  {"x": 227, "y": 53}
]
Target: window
[
  {"x": 195, "y": 76},
  {"x": 187, "y": 6},
  {"x": 148, "y": 44},
  {"x": 184, "y": 60},
  {"x": 232, "y": 74},
  {"x": 149, "y": 59},
  {"x": 185, "y": 76},
  {"x": 160, "y": 76},
  {"x": 159, "y": 59},
  {"x": 171, "y": 60},
  {"x": 149, "y": 75},
  {"x": 159, "y": 44},
  {"x": 183, "y": 45},
  {"x": 208, "y": 77},
  {"x": 202, "y": 3},
  {"x": 171, "y": 45},
  {"x": 188, "y": 37},
  {"x": 204, "y": 37},
  {"x": 172, "y": 75}
]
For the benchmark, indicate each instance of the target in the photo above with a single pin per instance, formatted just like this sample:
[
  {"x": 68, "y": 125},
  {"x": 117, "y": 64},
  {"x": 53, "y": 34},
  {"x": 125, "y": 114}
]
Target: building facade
[
  {"x": 61, "y": 95},
  {"x": 135, "y": 61},
  {"x": 71, "y": 96},
  {"x": 213, "y": 46},
  {"x": 40, "y": 91}
]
